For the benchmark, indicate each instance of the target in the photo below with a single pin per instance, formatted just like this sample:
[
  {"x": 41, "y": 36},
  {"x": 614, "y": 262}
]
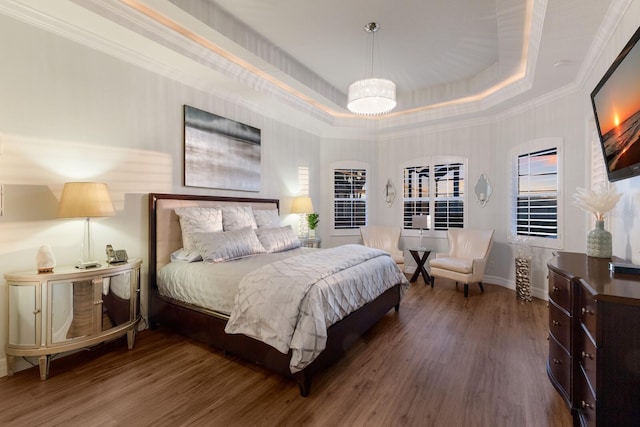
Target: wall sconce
[
  {"x": 389, "y": 193},
  {"x": 483, "y": 189}
]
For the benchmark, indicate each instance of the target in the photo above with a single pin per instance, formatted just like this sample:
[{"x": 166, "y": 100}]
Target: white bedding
[
  {"x": 193, "y": 282},
  {"x": 289, "y": 304},
  {"x": 324, "y": 286}
]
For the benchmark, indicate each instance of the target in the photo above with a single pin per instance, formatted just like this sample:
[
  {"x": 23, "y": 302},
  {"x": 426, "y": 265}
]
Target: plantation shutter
[{"x": 537, "y": 198}]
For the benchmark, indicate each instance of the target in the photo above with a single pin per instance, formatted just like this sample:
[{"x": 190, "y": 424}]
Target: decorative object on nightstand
[
  {"x": 70, "y": 309},
  {"x": 422, "y": 222},
  {"x": 45, "y": 260},
  {"x": 85, "y": 200},
  {"x": 312, "y": 220},
  {"x": 302, "y": 206},
  {"x": 598, "y": 201}
]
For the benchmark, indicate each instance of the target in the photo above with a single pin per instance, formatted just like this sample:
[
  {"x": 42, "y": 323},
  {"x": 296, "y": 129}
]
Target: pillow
[
  {"x": 266, "y": 218},
  {"x": 227, "y": 245},
  {"x": 237, "y": 217},
  {"x": 197, "y": 220},
  {"x": 278, "y": 239}
]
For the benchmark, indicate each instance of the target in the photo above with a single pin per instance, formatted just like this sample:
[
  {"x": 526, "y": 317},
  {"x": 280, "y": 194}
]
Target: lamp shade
[
  {"x": 372, "y": 97},
  {"x": 85, "y": 200},
  {"x": 421, "y": 221},
  {"x": 302, "y": 205}
]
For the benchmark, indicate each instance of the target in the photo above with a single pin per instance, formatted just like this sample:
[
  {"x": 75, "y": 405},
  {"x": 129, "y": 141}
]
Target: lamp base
[{"x": 83, "y": 265}]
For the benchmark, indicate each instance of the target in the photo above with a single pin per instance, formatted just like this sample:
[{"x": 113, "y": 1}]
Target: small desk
[{"x": 420, "y": 261}]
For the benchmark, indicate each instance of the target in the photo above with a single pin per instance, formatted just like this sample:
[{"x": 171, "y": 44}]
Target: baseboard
[
  {"x": 500, "y": 281},
  {"x": 3, "y": 367}
]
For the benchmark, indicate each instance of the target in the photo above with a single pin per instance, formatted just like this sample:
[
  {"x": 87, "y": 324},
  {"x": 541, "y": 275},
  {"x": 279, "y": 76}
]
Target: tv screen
[{"x": 616, "y": 105}]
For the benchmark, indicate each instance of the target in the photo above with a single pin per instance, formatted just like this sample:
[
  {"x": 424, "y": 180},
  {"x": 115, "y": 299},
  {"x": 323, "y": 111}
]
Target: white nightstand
[
  {"x": 310, "y": 243},
  {"x": 70, "y": 308}
]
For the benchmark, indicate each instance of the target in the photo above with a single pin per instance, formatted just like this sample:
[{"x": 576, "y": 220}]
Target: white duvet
[{"x": 289, "y": 304}]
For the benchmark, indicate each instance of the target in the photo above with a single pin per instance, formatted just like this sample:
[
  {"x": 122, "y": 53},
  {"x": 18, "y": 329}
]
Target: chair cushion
[{"x": 460, "y": 265}]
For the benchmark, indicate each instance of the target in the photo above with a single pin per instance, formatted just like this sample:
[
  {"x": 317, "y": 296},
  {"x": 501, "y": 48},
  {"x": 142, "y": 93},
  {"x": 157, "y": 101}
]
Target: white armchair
[
  {"x": 467, "y": 257},
  {"x": 386, "y": 238}
]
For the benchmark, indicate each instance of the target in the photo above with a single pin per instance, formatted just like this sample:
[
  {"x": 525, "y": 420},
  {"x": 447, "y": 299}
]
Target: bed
[{"x": 206, "y": 323}]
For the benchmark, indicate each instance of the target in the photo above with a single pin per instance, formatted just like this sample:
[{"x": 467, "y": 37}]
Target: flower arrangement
[{"x": 598, "y": 201}]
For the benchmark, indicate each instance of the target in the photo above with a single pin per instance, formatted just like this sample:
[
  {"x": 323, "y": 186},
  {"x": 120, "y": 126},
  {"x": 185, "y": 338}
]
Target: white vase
[
  {"x": 312, "y": 233},
  {"x": 45, "y": 260}
]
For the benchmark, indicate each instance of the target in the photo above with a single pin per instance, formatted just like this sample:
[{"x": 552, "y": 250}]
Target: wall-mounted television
[{"x": 616, "y": 105}]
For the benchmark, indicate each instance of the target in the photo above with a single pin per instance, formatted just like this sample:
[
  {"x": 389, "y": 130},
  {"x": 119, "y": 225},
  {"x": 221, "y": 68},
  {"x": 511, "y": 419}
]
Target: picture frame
[{"x": 220, "y": 153}]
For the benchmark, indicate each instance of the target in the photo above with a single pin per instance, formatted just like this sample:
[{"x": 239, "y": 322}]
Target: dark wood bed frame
[{"x": 208, "y": 327}]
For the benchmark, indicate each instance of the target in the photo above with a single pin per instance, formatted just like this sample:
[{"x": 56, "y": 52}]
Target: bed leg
[
  {"x": 304, "y": 383},
  {"x": 397, "y": 307}
]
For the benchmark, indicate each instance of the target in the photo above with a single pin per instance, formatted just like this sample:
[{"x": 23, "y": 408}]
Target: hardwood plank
[{"x": 442, "y": 360}]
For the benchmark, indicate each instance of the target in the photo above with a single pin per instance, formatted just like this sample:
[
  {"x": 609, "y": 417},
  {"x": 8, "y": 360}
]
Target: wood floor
[{"x": 442, "y": 360}]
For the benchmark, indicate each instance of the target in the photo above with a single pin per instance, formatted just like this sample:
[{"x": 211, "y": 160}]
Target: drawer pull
[
  {"x": 587, "y": 355},
  {"x": 586, "y": 405},
  {"x": 557, "y": 362},
  {"x": 556, "y": 289},
  {"x": 556, "y": 323},
  {"x": 586, "y": 311}
]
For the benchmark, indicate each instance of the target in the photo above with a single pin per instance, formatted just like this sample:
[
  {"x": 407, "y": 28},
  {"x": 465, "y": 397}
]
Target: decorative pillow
[
  {"x": 266, "y": 218},
  {"x": 237, "y": 217},
  {"x": 197, "y": 220},
  {"x": 278, "y": 239},
  {"x": 227, "y": 245}
]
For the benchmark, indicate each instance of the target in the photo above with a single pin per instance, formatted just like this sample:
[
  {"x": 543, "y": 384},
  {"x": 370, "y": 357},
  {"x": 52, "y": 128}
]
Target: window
[
  {"x": 536, "y": 184},
  {"x": 349, "y": 195},
  {"x": 435, "y": 187}
]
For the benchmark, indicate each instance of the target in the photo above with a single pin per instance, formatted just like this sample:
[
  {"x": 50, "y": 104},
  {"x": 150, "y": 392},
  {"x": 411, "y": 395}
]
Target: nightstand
[
  {"x": 69, "y": 309},
  {"x": 310, "y": 243}
]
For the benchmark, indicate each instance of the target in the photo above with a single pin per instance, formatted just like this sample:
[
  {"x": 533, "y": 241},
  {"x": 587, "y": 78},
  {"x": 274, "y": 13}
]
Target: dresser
[
  {"x": 70, "y": 309},
  {"x": 594, "y": 340}
]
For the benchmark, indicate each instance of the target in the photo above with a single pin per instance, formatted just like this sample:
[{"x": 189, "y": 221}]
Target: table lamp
[
  {"x": 302, "y": 206},
  {"x": 85, "y": 200},
  {"x": 421, "y": 222}
]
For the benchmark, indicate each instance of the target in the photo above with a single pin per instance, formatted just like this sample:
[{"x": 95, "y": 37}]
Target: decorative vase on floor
[{"x": 599, "y": 241}]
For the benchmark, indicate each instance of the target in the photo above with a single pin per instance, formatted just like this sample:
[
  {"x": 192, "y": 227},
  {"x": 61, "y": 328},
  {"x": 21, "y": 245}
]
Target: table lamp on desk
[{"x": 422, "y": 222}]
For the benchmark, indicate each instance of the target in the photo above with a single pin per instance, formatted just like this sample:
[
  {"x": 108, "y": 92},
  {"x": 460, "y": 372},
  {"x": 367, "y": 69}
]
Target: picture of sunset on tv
[{"x": 616, "y": 104}]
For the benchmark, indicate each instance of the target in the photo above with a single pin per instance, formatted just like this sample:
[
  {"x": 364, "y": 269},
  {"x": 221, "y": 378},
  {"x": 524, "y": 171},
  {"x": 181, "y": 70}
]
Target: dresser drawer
[
  {"x": 560, "y": 290},
  {"x": 588, "y": 311},
  {"x": 560, "y": 366},
  {"x": 560, "y": 326},
  {"x": 586, "y": 355},
  {"x": 585, "y": 402}
]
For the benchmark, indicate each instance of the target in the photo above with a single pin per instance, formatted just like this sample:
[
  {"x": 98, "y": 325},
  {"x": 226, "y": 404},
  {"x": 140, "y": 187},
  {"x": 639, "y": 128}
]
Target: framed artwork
[{"x": 220, "y": 153}]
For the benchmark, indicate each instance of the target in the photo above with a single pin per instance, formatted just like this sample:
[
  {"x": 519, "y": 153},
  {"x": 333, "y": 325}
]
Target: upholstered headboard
[{"x": 165, "y": 235}]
